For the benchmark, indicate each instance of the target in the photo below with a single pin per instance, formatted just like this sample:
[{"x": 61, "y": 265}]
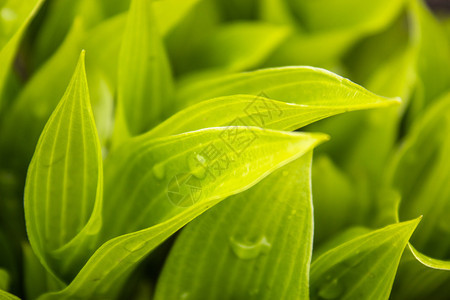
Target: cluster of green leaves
[{"x": 183, "y": 113}]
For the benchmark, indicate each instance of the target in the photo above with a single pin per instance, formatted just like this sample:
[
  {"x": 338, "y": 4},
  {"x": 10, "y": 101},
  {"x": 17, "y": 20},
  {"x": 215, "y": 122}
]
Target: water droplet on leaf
[
  {"x": 246, "y": 250},
  {"x": 8, "y": 14},
  {"x": 159, "y": 171},
  {"x": 197, "y": 166},
  {"x": 134, "y": 245},
  {"x": 331, "y": 290}
]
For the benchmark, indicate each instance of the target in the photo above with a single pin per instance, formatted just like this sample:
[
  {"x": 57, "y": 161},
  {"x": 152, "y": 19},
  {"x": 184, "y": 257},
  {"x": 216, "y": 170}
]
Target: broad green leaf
[
  {"x": 420, "y": 171},
  {"x": 213, "y": 156},
  {"x": 169, "y": 13},
  {"x": 300, "y": 85},
  {"x": 24, "y": 121},
  {"x": 258, "y": 111},
  {"x": 169, "y": 191},
  {"x": 63, "y": 192},
  {"x": 432, "y": 48},
  {"x": 362, "y": 268},
  {"x": 255, "y": 245},
  {"x": 7, "y": 296},
  {"x": 145, "y": 87},
  {"x": 238, "y": 46},
  {"x": 14, "y": 19}
]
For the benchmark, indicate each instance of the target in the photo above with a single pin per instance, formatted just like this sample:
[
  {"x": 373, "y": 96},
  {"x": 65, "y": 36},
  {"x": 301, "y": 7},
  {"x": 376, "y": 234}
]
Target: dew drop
[
  {"x": 246, "y": 171},
  {"x": 197, "y": 166},
  {"x": 159, "y": 171},
  {"x": 201, "y": 159},
  {"x": 331, "y": 290},
  {"x": 8, "y": 14},
  {"x": 134, "y": 245},
  {"x": 245, "y": 250}
]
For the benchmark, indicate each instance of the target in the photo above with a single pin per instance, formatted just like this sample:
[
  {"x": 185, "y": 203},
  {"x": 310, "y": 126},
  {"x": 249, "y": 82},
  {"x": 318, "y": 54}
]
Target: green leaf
[
  {"x": 7, "y": 296},
  {"x": 63, "y": 192},
  {"x": 211, "y": 155},
  {"x": 24, "y": 121},
  {"x": 166, "y": 194},
  {"x": 420, "y": 171},
  {"x": 362, "y": 268},
  {"x": 15, "y": 17},
  {"x": 258, "y": 111},
  {"x": 276, "y": 12},
  {"x": 255, "y": 245},
  {"x": 169, "y": 13},
  {"x": 432, "y": 48},
  {"x": 300, "y": 85},
  {"x": 145, "y": 84}
]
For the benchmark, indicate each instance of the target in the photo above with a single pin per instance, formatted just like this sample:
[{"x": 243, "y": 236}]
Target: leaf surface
[
  {"x": 7, "y": 296},
  {"x": 63, "y": 192},
  {"x": 300, "y": 85},
  {"x": 145, "y": 84},
  {"x": 258, "y": 111},
  {"x": 255, "y": 245},
  {"x": 337, "y": 273}
]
